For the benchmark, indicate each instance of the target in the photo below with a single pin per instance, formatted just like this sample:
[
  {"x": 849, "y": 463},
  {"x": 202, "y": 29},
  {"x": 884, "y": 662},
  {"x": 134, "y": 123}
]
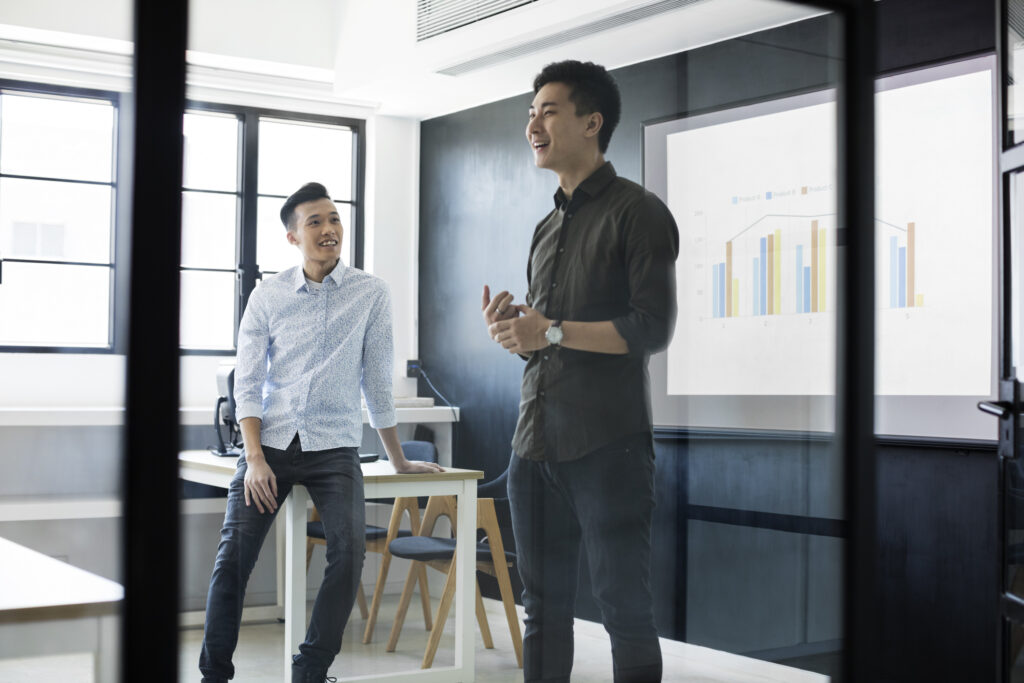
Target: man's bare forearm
[
  {"x": 250, "y": 427},
  {"x": 598, "y": 337},
  {"x": 392, "y": 446}
]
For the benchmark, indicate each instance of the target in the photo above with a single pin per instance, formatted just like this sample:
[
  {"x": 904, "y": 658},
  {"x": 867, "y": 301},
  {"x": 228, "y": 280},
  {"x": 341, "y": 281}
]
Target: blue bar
[
  {"x": 799, "y": 278},
  {"x": 764, "y": 276},
  {"x": 807, "y": 289},
  {"x": 714, "y": 291},
  {"x": 755, "y": 309},
  {"x": 893, "y": 274},
  {"x": 721, "y": 290},
  {"x": 903, "y": 277}
]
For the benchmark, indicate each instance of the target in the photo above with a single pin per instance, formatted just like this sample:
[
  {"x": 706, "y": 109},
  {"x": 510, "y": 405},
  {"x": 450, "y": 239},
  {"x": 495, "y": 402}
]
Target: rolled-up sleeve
[
  {"x": 251, "y": 362},
  {"x": 651, "y": 246},
  {"x": 378, "y": 357}
]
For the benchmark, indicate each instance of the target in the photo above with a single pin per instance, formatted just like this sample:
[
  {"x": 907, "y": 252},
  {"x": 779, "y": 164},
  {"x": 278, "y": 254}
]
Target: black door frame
[{"x": 1010, "y": 608}]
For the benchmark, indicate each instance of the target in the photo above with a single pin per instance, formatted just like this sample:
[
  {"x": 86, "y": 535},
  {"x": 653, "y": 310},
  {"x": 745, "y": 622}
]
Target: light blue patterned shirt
[{"x": 303, "y": 355}]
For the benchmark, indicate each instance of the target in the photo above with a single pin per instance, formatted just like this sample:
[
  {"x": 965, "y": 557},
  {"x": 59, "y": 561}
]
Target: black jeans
[
  {"x": 605, "y": 500},
  {"x": 335, "y": 483}
]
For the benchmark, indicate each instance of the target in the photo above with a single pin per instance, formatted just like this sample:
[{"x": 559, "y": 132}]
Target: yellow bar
[
  {"x": 769, "y": 276},
  {"x": 919, "y": 300},
  {"x": 814, "y": 267},
  {"x": 729, "y": 310},
  {"x": 778, "y": 272},
  {"x": 911, "y": 299},
  {"x": 735, "y": 297},
  {"x": 821, "y": 269}
]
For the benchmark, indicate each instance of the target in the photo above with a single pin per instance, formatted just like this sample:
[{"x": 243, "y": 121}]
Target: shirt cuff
[
  {"x": 383, "y": 419},
  {"x": 244, "y": 410}
]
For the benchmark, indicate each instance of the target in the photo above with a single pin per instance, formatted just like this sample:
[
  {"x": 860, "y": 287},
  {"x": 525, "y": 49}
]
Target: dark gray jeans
[
  {"x": 605, "y": 500},
  {"x": 335, "y": 483}
]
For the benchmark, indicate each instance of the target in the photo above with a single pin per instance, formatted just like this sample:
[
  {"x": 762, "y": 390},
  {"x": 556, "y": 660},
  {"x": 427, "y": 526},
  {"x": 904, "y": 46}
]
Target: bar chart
[
  {"x": 788, "y": 269},
  {"x": 902, "y": 270}
]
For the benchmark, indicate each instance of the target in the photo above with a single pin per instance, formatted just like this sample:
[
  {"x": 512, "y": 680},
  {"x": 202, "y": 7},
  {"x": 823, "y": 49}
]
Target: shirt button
[
  {"x": 546, "y": 357},
  {"x": 562, "y": 250},
  {"x": 553, "y": 285},
  {"x": 540, "y": 393}
]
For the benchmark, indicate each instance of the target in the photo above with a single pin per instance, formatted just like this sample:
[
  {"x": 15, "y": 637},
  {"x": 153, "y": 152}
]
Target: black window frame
[
  {"x": 247, "y": 269},
  {"x": 117, "y": 225}
]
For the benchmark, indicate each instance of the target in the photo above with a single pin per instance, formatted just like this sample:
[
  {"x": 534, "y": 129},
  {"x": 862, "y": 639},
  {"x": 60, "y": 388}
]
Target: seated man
[{"x": 310, "y": 337}]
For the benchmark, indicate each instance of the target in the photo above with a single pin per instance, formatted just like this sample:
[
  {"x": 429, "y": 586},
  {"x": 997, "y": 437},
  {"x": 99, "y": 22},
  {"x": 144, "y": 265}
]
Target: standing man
[
  {"x": 601, "y": 299},
  {"x": 311, "y": 336}
]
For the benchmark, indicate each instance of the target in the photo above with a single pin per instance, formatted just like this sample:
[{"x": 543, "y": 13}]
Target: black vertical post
[
  {"x": 149, "y": 643},
  {"x": 248, "y": 268},
  {"x": 855, "y": 334},
  {"x": 359, "y": 196}
]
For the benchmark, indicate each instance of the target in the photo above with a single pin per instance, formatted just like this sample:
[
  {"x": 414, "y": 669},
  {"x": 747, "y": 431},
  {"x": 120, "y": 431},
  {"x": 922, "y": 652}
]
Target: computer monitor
[{"x": 224, "y": 413}]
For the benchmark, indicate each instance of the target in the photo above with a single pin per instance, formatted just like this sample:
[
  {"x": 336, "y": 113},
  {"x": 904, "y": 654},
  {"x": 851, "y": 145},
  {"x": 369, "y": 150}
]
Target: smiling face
[
  {"x": 561, "y": 140},
  {"x": 317, "y": 231}
]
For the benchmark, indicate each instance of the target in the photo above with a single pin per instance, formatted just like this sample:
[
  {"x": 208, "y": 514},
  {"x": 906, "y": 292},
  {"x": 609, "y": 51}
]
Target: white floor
[{"x": 258, "y": 658}]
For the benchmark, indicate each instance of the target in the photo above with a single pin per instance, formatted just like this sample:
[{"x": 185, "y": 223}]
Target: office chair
[{"x": 439, "y": 553}]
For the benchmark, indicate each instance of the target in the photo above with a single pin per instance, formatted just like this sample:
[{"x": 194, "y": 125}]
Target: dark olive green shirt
[{"x": 608, "y": 254}]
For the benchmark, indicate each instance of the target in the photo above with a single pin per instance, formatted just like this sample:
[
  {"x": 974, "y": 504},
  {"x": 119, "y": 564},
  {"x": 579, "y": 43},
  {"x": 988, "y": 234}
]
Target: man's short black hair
[
  {"x": 309, "y": 192},
  {"x": 591, "y": 89}
]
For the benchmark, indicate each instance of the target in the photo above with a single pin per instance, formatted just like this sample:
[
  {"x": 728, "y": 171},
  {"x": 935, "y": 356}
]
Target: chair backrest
[
  {"x": 488, "y": 519},
  {"x": 423, "y": 451},
  {"x": 437, "y": 507},
  {"x": 496, "y": 488}
]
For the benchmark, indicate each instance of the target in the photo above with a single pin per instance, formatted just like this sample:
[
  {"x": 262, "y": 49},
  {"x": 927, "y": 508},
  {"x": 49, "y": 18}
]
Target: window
[
  {"x": 292, "y": 154},
  {"x": 58, "y": 219},
  {"x": 57, "y": 194},
  {"x": 210, "y": 202},
  {"x": 240, "y": 165}
]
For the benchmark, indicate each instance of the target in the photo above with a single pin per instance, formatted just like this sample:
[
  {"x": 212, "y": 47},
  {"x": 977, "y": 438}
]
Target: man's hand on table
[
  {"x": 260, "y": 483},
  {"x": 416, "y": 467}
]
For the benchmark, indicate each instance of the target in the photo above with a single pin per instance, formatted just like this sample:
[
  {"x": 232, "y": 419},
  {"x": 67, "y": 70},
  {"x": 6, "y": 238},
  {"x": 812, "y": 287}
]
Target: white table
[
  {"x": 380, "y": 481},
  {"x": 51, "y": 607}
]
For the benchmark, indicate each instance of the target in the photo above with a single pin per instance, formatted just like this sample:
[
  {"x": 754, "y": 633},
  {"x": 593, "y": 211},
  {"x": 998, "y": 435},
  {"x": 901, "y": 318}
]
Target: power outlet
[{"x": 412, "y": 368}]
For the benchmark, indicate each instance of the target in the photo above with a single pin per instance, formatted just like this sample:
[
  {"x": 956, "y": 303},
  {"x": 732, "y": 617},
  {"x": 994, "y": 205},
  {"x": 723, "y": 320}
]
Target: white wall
[
  {"x": 297, "y": 32},
  {"x": 101, "y": 18},
  {"x": 292, "y": 32},
  {"x": 392, "y": 245}
]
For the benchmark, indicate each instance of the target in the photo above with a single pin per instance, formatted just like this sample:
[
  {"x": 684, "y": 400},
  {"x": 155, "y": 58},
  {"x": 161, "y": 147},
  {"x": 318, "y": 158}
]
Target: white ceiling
[{"x": 378, "y": 59}]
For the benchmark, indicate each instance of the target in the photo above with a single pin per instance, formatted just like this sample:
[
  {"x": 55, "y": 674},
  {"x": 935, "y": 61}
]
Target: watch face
[{"x": 554, "y": 335}]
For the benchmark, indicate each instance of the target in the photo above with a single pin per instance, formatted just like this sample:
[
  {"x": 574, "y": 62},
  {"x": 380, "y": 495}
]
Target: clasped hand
[{"x": 518, "y": 328}]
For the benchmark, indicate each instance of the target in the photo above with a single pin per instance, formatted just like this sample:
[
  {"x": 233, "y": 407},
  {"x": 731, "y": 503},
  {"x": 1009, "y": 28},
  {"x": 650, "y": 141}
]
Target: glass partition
[
  {"x": 731, "y": 122},
  {"x": 64, "y": 144},
  {"x": 744, "y": 395}
]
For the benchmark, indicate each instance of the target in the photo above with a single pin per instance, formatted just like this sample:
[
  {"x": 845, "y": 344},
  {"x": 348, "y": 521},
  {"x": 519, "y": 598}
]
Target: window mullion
[{"x": 248, "y": 269}]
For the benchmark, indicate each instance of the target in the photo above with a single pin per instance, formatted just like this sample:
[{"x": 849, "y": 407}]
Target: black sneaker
[
  {"x": 302, "y": 674},
  {"x": 311, "y": 676}
]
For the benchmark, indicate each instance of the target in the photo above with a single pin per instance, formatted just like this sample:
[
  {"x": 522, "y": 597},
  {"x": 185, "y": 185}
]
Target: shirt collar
[
  {"x": 592, "y": 186},
  {"x": 299, "y": 278}
]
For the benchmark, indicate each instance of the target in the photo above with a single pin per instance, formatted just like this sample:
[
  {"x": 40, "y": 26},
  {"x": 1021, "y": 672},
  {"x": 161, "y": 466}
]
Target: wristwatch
[{"x": 554, "y": 333}]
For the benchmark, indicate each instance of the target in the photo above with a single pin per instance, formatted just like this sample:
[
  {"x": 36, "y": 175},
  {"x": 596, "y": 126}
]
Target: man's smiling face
[
  {"x": 317, "y": 231},
  {"x": 557, "y": 135}
]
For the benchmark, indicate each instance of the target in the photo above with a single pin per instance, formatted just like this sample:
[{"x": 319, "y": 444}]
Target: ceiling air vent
[
  {"x": 563, "y": 37},
  {"x": 434, "y": 17}
]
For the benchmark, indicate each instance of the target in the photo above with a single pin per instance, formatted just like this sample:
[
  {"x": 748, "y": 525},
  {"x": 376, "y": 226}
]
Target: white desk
[
  {"x": 49, "y": 607},
  {"x": 380, "y": 481}
]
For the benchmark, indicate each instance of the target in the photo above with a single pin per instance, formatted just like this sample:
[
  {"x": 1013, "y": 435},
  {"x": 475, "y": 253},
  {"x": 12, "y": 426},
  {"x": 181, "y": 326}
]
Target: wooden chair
[
  {"x": 378, "y": 540},
  {"x": 439, "y": 553}
]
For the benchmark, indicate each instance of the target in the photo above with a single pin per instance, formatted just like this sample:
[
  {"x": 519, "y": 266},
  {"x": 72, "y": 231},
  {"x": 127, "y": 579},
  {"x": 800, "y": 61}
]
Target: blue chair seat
[
  {"x": 426, "y": 548},
  {"x": 316, "y": 530}
]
